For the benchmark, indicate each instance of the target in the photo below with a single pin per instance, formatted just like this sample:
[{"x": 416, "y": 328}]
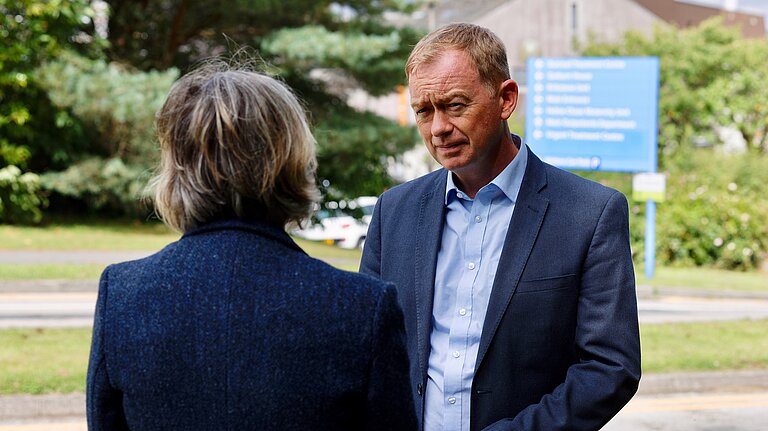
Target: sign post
[
  {"x": 649, "y": 187},
  {"x": 598, "y": 114}
]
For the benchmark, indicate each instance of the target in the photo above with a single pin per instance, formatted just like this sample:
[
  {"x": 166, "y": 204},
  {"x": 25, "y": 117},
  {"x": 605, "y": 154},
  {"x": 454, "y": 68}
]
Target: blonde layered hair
[
  {"x": 484, "y": 48},
  {"x": 234, "y": 144}
]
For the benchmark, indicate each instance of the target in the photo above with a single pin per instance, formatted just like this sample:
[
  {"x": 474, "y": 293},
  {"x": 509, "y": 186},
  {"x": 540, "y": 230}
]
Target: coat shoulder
[
  {"x": 415, "y": 188},
  {"x": 576, "y": 188}
]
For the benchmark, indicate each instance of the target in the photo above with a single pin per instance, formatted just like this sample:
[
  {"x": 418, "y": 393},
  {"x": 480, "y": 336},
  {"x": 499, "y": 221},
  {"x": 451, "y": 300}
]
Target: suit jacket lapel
[
  {"x": 521, "y": 235},
  {"x": 428, "y": 233}
]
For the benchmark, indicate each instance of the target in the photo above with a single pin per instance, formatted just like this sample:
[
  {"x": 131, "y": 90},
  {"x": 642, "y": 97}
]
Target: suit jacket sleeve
[
  {"x": 390, "y": 406},
  {"x": 607, "y": 339},
  {"x": 104, "y": 403}
]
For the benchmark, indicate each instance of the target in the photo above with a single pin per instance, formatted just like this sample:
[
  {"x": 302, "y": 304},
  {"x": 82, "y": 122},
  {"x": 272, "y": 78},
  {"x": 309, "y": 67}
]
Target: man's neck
[{"x": 471, "y": 182}]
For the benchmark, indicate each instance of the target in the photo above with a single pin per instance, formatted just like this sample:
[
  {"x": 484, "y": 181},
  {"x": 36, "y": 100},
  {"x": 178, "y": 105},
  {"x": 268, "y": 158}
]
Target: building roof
[
  {"x": 679, "y": 13},
  {"x": 683, "y": 14}
]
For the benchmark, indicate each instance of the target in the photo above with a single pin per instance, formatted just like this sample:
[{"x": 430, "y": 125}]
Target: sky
[{"x": 751, "y": 6}]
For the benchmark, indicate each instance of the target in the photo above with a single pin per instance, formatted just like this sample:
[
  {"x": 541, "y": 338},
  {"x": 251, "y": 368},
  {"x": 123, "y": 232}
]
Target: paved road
[
  {"x": 692, "y": 309},
  {"x": 73, "y": 309},
  {"x": 677, "y": 412},
  {"x": 56, "y": 424},
  {"x": 49, "y": 309},
  {"x": 693, "y": 412}
]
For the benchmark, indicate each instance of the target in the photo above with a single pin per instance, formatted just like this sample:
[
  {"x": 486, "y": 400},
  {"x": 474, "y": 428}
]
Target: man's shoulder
[
  {"x": 416, "y": 188},
  {"x": 563, "y": 182}
]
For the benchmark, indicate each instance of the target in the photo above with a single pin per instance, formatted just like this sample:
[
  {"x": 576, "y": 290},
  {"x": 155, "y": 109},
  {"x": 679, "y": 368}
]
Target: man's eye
[
  {"x": 422, "y": 111},
  {"x": 455, "y": 105}
]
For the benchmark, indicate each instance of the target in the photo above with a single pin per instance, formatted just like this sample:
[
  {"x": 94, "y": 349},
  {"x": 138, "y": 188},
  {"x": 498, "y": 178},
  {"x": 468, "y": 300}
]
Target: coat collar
[{"x": 258, "y": 227}]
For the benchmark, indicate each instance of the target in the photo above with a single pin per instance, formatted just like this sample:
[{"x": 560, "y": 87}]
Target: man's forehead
[
  {"x": 442, "y": 88},
  {"x": 443, "y": 79},
  {"x": 451, "y": 63}
]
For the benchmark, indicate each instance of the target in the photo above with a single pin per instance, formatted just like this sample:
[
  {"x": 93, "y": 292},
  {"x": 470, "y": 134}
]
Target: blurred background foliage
[
  {"x": 714, "y": 214},
  {"x": 321, "y": 48},
  {"x": 713, "y": 86},
  {"x": 713, "y": 119},
  {"x": 80, "y": 82}
]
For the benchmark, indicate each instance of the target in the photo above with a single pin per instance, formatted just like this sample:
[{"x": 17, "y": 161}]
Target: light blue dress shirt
[{"x": 472, "y": 240}]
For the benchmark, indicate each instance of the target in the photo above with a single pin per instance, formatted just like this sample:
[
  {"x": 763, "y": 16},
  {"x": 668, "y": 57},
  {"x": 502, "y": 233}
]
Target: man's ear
[{"x": 508, "y": 94}]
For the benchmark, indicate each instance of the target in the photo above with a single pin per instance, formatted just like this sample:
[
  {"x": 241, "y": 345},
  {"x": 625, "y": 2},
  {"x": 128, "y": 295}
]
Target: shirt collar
[{"x": 508, "y": 181}]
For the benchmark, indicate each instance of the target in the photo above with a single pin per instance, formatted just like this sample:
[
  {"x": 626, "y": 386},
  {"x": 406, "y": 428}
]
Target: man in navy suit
[{"x": 515, "y": 277}]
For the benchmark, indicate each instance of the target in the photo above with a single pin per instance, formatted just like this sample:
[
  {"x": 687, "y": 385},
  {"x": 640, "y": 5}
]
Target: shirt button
[
  {"x": 478, "y": 219},
  {"x": 462, "y": 311},
  {"x": 456, "y": 354},
  {"x": 471, "y": 265},
  {"x": 452, "y": 400},
  {"x": 460, "y": 195}
]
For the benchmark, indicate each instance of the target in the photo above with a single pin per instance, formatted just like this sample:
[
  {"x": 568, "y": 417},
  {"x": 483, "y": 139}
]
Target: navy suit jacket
[
  {"x": 234, "y": 327},
  {"x": 560, "y": 347}
]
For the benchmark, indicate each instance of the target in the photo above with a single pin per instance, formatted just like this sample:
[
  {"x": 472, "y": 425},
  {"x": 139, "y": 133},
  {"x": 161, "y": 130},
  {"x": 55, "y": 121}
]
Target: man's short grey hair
[{"x": 485, "y": 50}]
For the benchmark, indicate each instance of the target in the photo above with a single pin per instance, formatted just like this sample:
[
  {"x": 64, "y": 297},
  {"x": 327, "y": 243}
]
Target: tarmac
[{"x": 63, "y": 406}]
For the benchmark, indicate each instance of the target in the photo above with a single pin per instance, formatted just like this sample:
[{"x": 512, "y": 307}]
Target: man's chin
[
  {"x": 450, "y": 160},
  {"x": 454, "y": 165}
]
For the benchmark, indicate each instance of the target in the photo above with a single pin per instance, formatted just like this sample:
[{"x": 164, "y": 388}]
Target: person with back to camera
[
  {"x": 233, "y": 326},
  {"x": 515, "y": 277}
]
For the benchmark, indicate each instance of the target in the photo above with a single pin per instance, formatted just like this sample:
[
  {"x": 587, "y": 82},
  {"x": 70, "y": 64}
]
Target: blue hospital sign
[{"x": 594, "y": 113}]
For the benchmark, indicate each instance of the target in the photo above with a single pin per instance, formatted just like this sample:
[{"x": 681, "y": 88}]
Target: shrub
[
  {"x": 117, "y": 102},
  {"x": 34, "y": 134},
  {"x": 714, "y": 215},
  {"x": 20, "y": 201},
  {"x": 105, "y": 185}
]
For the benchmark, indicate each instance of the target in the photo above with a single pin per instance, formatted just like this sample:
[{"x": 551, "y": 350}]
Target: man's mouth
[{"x": 447, "y": 145}]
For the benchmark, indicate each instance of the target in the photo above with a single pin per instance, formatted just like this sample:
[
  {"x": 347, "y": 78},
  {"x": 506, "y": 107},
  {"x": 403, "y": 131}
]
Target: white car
[{"x": 337, "y": 226}]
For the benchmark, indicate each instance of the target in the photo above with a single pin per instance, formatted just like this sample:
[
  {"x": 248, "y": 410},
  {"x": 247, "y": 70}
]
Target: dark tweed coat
[{"x": 234, "y": 327}]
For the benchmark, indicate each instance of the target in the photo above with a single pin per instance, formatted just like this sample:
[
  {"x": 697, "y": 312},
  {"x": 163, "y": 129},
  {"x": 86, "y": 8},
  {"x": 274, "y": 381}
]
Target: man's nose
[{"x": 441, "y": 124}]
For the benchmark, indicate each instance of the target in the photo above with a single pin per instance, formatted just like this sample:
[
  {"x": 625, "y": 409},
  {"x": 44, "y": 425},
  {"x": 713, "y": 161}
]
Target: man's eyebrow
[
  {"x": 418, "y": 102},
  {"x": 451, "y": 95},
  {"x": 455, "y": 94}
]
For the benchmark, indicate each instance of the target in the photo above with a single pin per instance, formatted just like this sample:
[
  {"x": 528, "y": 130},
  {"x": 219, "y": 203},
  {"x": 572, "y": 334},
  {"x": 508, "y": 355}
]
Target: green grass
[
  {"x": 39, "y": 361},
  {"x": 120, "y": 236},
  {"x": 87, "y": 236},
  {"x": 36, "y": 361},
  {"x": 348, "y": 260},
  {"x": 325, "y": 252},
  {"x": 706, "y": 346},
  {"x": 705, "y": 278},
  {"x": 46, "y": 271},
  {"x": 93, "y": 271},
  {"x": 115, "y": 236}
]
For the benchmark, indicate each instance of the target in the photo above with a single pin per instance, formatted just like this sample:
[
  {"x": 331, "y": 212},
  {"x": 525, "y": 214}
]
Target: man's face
[{"x": 460, "y": 121}]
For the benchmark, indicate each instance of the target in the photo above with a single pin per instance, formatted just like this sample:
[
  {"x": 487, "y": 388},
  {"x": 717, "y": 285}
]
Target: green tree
[
  {"x": 34, "y": 134},
  {"x": 33, "y": 32},
  {"x": 305, "y": 42},
  {"x": 117, "y": 104},
  {"x": 710, "y": 78},
  {"x": 158, "y": 34},
  {"x": 83, "y": 107}
]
